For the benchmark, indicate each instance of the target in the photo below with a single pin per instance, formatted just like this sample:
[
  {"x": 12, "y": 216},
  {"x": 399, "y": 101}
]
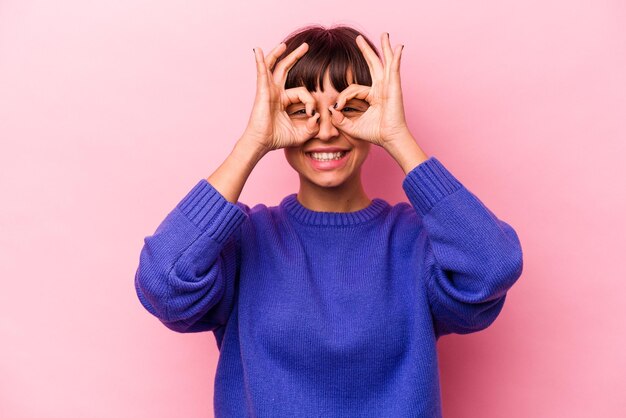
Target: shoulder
[
  {"x": 259, "y": 214},
  {"x": 254, "y": 211},
  {"x": 404, "y": 213}
]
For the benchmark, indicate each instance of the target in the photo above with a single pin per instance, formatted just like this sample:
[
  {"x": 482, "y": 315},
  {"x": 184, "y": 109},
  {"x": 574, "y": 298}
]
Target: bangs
[{"x": 332, "y": 49}]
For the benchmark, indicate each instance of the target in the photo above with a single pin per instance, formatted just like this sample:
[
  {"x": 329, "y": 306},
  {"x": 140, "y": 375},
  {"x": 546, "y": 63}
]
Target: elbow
[
  {"x": 483, "y": 318},
  {"x": 155, "y": 304},
  {"x": 511, "y": 267},
  {"x": 151, "y": 292},
  {"x": 181, "y": 327},
  {"x": 513, "y": 263},
  {"x": 503, "y": 274},
  {"x": 476, "y": 318},
  {"x": 465, "y": 319}
]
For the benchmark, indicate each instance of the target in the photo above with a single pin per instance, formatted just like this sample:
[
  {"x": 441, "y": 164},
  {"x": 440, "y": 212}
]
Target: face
[{"x": 344, "y": 171}]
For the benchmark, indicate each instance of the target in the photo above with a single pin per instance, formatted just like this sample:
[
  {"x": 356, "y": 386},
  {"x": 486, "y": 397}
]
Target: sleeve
[
  {"x": 471, "y": 257},
  {"x": 187, "y": 268}
]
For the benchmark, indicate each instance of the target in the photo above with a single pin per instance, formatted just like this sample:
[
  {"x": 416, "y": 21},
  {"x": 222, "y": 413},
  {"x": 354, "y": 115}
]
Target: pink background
[{"x": 111, "y": 111}]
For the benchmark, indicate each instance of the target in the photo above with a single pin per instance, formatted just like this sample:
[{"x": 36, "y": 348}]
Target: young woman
[{"x": 329, "y": 304}]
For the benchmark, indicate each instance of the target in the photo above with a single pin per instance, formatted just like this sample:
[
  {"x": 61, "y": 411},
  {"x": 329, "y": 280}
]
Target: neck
[{"x": 346, "y": 197}]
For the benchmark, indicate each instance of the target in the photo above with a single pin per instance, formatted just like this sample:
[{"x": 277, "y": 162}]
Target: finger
[
  {"x": 283, "y": 67},
  {"x": 261, "y": 69},
  {"x": 373, "y": 62},
  {"x": 353, "y": 91},
  {"x": 300, "y": 95},
  {"x": 340, "y": 121},
  {"x": 387, "y": 52},
  {"x": 395, "y": 65},
  {"x": 310, "y": 128},
  {"x": 270, "y": 60}
]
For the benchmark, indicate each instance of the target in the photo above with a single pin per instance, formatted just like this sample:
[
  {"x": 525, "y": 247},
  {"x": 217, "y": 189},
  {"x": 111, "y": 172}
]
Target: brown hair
[{"x": 333, "y": 47}]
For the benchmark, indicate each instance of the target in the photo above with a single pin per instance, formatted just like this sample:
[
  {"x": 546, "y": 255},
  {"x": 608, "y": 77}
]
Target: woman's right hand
[{"x": 269, "y": 125}]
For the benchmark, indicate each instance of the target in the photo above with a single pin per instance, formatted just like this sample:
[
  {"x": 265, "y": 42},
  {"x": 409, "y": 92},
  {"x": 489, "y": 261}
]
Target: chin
[
  {"x": 329, "y": 179},
  {"x": 328, "y": 182}
]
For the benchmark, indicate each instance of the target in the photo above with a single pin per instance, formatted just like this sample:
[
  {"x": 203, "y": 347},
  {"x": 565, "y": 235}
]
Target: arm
[
  {"x": 230, "y": 177},
  {"x": 187, "y": 268},
  {"x": 471, "y": 257}
]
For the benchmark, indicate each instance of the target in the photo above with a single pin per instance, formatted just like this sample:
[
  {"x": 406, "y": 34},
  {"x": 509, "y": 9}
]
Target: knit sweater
[{"x": 330, "y": 314}]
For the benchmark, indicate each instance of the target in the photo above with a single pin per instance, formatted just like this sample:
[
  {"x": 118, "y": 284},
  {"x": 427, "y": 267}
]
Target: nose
[{"x": 327, "y": 129}]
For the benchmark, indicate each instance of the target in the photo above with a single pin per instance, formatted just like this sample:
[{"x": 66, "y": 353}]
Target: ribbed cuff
[
  {"x": 428, "y": 183},
  {"x": 206, "y": 208}
]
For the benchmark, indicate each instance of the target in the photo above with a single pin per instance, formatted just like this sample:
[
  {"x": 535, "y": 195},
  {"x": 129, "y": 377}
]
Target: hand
[
  {"x": 383, "y": 121},
  {"x": 269, "y": 124}
]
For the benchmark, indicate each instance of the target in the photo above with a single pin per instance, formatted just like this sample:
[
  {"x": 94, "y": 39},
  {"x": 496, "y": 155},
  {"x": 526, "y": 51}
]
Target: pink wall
[{"x": 111, "y": 111}]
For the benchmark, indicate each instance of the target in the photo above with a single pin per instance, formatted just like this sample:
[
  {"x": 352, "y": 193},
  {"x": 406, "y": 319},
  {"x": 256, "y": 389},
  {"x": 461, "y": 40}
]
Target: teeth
[{"x": 327, "y": 156}]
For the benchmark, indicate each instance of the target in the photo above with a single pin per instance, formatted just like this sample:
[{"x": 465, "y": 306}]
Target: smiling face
[{"x": 344, "y": 170}]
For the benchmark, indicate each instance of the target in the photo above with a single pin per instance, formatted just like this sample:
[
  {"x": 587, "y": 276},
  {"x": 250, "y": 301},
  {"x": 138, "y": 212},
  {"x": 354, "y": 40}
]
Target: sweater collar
[{"x": 294, "y": 208}]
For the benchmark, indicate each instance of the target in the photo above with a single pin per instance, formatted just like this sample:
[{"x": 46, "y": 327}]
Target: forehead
[{"x": 329, "y": 89}]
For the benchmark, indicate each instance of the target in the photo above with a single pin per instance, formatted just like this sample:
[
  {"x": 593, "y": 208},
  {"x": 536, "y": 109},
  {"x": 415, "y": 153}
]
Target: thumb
[{"x": 340, "y": 121}]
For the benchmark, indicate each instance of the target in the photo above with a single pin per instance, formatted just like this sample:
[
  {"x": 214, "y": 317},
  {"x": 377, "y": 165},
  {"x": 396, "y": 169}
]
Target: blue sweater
[{"x": 330, "y": 314}]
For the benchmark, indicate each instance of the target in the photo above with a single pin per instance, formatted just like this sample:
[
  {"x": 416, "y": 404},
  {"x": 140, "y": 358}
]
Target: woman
[{"x": 331, "y": 303}]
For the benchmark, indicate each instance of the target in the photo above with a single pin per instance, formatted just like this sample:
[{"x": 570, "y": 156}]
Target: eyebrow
[{"x": 357, "y": 101}]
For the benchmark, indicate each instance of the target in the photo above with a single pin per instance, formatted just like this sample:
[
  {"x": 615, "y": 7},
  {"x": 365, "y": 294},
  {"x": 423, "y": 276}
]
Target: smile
[
  {"x": 327, "y": 160},
  {"x": 326, "y": 156}
]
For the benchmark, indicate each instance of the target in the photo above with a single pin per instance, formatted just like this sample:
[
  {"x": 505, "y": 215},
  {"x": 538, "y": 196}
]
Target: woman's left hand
[{"x": 383, "y": 121}]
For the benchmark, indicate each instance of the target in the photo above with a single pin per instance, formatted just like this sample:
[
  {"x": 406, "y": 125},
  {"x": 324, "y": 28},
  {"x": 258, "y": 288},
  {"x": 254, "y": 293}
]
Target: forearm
[
  {"x": 406, "y": 152},
  {"x": 230, "y": 177}
]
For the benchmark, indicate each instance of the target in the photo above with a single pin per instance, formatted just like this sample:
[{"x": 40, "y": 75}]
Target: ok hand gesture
[
  {"x": 269, "y": 124},
  {"x": 384, "y": 121}
]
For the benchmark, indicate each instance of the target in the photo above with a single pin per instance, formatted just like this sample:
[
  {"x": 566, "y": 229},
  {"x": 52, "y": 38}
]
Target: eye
[
  {"x": 299, "y": 112},
  {"x": 352, "y": 112}
]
